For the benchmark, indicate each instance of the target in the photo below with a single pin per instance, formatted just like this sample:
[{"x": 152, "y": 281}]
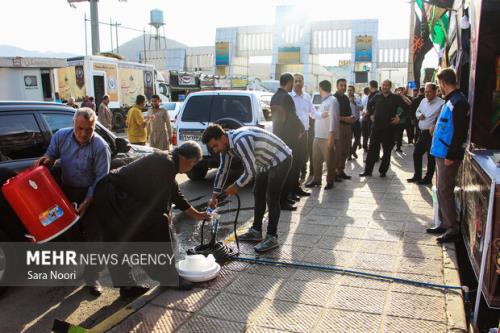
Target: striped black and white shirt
[{"x": 259, "y": 151}]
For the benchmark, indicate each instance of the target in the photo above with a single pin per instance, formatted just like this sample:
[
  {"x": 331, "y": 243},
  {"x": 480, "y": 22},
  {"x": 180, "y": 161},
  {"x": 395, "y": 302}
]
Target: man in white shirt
[
  {"x": 426, "y": 114},
  {"x": 326, "y": 131},
  {"x": 304, "y": 109}
]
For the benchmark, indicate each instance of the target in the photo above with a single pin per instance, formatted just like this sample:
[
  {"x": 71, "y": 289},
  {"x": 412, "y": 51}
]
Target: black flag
[{"x": 421, "y": 45}]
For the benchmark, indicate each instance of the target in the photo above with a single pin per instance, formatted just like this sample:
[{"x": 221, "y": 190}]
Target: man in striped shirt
[{"x": 266, "y": 158}]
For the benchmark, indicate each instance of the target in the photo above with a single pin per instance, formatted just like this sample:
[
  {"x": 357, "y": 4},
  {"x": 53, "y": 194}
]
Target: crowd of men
[{"x": 133, "y": 203}]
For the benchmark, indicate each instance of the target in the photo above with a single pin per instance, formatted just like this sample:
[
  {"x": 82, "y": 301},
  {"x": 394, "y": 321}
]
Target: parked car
[
  {"x": 231, "y": 107},
  {"x": 173, "y": 109},
  {"x": 316, "y": 99}
]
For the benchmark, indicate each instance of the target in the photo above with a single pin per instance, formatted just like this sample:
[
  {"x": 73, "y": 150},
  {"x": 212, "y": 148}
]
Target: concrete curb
[{"x": 455, "y": 310}]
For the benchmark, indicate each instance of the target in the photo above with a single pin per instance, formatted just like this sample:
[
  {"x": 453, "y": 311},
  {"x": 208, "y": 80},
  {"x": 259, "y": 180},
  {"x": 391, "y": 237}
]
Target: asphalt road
[{"x": 34, "y": 309}]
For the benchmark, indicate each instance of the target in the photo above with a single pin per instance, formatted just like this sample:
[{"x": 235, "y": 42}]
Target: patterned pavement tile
[
  {"x": 290, "y": 316},
  {"x": 346, "y": 232},
  {"x": 256, "y": 285},
  {"x": 348, "y": 322},
  {"x": 188, "y": 301},
  {"x": 275, "y": 271},
  {"x": 415, "y": 250},
  {"x": 329, "y": 257},
  {"x": 360, "y": 281},
  {"x": 384, "y": 235},
  {"x": 224, "y": 278},
  {"x": 299, "y": 240},
  {"x": 420, "y": 266},
  {"x": 286, "y": 252},
  {"x": 317, "y": 276},
  {"x": 371, "y": 261},
  {"x": 417, "y": 306},
  {"x": 358, "y": 299},
  {"x": 305, "y": 292},
  {"x": 152, "y": 319},
  {"x": 338, "y": 243},
  {"x": 387, "y": 225},
  {"x": 404, "y": 325},
  {"x": 380, "y": 247},
  {"x": 203, "y": 324},
  {"x": 235, "y": 307}
]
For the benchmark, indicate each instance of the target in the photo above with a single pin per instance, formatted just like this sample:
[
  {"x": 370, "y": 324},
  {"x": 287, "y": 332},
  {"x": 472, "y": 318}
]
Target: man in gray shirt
[
  {"x": 326, "y": 129},
  {"x": 426, "y": 114}
]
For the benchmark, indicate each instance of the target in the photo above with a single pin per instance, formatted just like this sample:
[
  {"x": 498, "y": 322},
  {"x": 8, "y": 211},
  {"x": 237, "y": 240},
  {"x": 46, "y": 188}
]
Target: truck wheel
[
  {"x": 118, "y": 120},
  {"x": 3, "y": 238},
  {"x": 197, "y": 173}
]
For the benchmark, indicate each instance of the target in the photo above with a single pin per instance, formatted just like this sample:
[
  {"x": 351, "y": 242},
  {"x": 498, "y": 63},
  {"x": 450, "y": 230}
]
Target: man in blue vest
[{"x": 448, "y": 147}]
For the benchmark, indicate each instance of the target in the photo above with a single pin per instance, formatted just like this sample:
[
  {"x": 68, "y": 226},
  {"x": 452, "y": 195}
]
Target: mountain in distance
[
  {"x": 130, "y": 50},
  {"x": 13, "y": 51}
]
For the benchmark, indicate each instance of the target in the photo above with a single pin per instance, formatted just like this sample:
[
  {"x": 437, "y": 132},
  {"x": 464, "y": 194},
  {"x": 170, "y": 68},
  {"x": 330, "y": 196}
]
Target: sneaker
[
  {"x": 267, "y": 244},
  {"x": 251, "y": 235}
]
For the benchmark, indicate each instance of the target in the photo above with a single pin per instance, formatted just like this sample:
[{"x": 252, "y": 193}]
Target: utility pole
[
  {"x": 85, "y": 24},
  {"x": 111, "y": 33},
  {"x": 116, "y": 33},
  {"x": 94, "y": 27}
]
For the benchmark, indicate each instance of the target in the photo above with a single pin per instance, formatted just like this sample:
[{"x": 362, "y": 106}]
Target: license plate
[{"x": 193, "y": 137}]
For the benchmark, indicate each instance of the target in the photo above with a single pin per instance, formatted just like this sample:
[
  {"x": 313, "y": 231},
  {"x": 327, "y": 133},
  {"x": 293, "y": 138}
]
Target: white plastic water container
[{"x": 435, "y": 203}]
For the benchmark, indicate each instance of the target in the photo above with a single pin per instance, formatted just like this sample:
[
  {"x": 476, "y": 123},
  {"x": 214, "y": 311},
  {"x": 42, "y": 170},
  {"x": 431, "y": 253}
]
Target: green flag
[{"x": 438, "y": 20}]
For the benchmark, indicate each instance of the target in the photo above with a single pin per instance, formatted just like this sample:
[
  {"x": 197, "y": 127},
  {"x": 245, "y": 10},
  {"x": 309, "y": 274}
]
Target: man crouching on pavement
[
  {"x": 133, "y": 203},
  {"x": 265, "y": 157}
]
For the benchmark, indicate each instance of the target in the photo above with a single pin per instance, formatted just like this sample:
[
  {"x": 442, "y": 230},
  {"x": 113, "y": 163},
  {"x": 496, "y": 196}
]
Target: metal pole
[
  {"x": 411, "y": 51},
  {"x": 144, "y": 40},
  {"x": 116, "y": 33},
  {"x": 85, "y": 23},
  {"x": 94, "y": 27},
  {"x": 111, "y": 33}
]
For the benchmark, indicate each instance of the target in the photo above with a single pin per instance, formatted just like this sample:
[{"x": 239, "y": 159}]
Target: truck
[{"x": 121, "y": 80}]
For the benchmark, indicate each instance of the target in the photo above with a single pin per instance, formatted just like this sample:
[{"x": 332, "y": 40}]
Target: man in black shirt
[
  {"x": 133, "y": 204},
  {"x": 288, "y": 127},
  {"x": 343, "y": 148},
  {"x": 366, "y": 123},
  {"x": 382, "y": 109}
]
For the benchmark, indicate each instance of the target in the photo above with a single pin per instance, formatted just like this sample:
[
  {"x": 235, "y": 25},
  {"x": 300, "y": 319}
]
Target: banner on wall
[
  {"x": 289, "y": 55},
  {"x": 363, "y": 49},
  {"x": 71, "y": 83},
  {"x": 222, "y": 54}
]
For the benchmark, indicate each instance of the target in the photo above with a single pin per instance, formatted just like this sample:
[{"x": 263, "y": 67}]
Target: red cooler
[{"x": 40, "y": 204}]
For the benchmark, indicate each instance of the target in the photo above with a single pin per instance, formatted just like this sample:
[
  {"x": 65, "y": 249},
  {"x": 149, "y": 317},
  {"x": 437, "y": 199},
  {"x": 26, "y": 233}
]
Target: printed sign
[
  {"x": 50, "y": 215},
  {"x": 289, "y": 55},
  {"x": 363, "y": 48},
  {"x": 30, "y": 82},
  {"x": 222, "y": 54}
]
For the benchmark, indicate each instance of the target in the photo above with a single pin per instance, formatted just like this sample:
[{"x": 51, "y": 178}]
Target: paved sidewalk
[{"x": 371, "y": 224}]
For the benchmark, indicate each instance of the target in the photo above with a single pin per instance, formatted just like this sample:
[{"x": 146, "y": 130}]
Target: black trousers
[
  {"x": 303, "y": 153},
  {"x": 384, "y": 137},
  {"x": 398, "y": 135},
  {"x": 410, "y": 130},
  {"x": 292, "y": 181},
  {"x": 356, "y": 133},
  {"x": 366, "y": 127},
  {"x": 423, "y": 146},
  {"x": 267, "y": 190}
]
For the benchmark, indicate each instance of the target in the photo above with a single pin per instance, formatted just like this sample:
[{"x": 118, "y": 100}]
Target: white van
[{"x": 204, "y": 108}]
